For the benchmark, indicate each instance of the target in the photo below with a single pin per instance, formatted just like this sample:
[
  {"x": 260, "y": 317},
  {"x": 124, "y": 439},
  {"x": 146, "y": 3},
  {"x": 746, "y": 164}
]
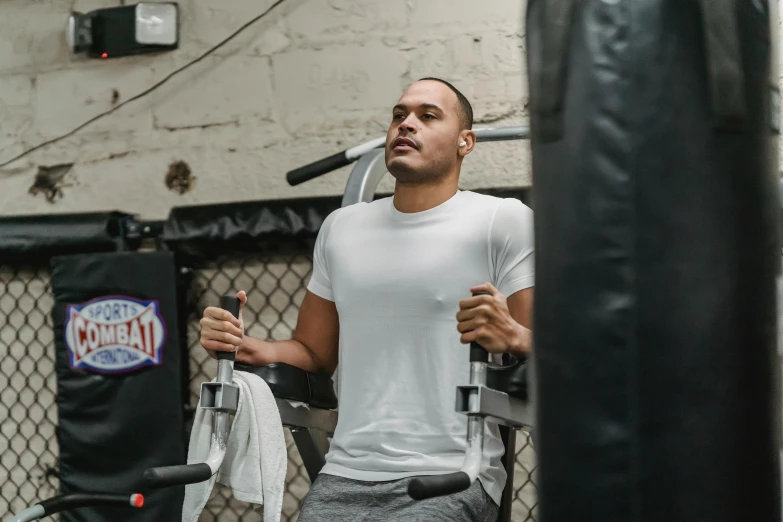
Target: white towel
[{"x": 256, "y": 459}]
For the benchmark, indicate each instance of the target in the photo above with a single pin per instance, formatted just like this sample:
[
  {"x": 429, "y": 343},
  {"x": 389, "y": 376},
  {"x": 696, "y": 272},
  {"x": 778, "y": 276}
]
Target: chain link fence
[
  {"x": 28, "y": 389},
  {"x": 275, "y": 282}
]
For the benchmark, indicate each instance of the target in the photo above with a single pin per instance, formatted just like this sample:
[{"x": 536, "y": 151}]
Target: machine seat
[{"x": 295, "y": 384}]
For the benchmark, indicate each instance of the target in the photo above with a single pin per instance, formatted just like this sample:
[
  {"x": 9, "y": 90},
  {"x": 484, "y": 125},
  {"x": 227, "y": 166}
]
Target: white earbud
[{"x": 463, "y": 144}]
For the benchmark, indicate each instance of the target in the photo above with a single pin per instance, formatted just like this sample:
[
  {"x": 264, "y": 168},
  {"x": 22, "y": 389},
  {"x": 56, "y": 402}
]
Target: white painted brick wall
[
  {"x": 16, "y": 105},
  {"x": 313, "y": 78},
  {"x": 227, "y": 89},
  {"x": 66, "y": 98},
  {"x": 32, "y": 35}
]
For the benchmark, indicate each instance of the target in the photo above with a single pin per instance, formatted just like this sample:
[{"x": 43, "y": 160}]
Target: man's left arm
[
  {"x": 501, "y": 321},
  {"x": 520, "y": 306}
]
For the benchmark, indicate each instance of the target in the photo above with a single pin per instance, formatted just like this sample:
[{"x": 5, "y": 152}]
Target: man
[{"x": 391, "y": 298}]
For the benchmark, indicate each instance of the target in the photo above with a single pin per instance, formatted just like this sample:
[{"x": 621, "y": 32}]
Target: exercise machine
[
  {"x": 308, "y": 403},
  {"x": 497, "y": 394},
  {"x": 78, "y": 500},
  {"x": 371, "y": 165}
]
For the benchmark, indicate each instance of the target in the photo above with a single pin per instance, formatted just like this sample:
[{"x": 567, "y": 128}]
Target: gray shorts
[{"x": 334, "y": 498}]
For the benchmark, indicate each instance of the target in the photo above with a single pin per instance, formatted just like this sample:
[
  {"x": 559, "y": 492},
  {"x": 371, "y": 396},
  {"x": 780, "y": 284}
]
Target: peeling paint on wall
[
  {"x": 179, "y": 179},
  {"x": 50, "y": 181}
]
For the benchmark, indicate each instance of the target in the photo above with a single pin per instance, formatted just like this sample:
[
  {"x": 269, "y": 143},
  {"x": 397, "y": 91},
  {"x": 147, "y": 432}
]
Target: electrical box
[{"x": 146, "y": 27}]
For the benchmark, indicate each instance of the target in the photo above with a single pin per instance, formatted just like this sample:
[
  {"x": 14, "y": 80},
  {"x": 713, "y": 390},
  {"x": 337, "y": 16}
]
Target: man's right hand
[
  {"x": 222, "y": 332},
  {"x": 313, "y": 346}
]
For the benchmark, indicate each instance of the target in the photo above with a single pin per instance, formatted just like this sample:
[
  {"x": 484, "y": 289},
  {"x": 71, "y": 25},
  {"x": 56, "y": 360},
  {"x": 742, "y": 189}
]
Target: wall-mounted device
[{"x": 147, "y": 27}]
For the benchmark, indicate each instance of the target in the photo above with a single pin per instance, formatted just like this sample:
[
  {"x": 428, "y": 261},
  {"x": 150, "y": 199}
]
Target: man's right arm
[{"x": 313, "y": 346}]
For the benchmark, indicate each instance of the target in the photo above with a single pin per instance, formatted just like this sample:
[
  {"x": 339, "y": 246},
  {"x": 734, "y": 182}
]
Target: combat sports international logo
[{"x": 114, "y": 334}]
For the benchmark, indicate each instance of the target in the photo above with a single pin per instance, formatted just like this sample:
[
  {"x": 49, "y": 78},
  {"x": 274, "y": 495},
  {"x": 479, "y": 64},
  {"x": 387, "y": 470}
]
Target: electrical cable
[{"x": 147, "y": 91}]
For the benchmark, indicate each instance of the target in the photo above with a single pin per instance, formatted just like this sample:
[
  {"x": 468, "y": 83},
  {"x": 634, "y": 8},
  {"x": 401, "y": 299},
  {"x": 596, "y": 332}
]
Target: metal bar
[
  {"x": 495, "y": 406},
  {"x": 221, "y": 428},
  {"x": 348, "y": 156},
  {"x": 371, "y": 165},
  {"x": 475, "y": 436},
  {"x": 302, "y": 416},
  {"x": 225, "y": 371},
  {"x": 219, "y": 396},
  {"x": 503, "y": 134},
  {"x": 35, "y": 512},
  {"x": 364, "y": 178},
  {"x": 486, "y": 134},
  {"x": 313, "y": 444}
]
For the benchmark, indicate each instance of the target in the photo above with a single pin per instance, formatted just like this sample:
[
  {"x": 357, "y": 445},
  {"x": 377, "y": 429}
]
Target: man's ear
[{"x": 467, "y": 141}]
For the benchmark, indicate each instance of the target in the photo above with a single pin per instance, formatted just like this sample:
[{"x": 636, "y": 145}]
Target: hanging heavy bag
[{"x": 654, "y": 142}]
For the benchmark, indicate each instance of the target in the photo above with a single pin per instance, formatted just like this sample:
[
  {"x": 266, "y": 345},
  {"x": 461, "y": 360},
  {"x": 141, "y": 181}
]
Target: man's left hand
[{"x": 486, "y": 319}]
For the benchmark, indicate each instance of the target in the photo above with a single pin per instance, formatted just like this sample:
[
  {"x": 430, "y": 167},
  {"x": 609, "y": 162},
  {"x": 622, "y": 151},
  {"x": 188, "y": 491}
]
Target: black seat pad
[
  {"x": 509, "y": 379},
  {"x": 292, "y": 383}
]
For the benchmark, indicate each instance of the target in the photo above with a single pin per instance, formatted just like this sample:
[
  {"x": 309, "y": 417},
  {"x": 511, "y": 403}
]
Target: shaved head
[{"x": 463, "y": 105}]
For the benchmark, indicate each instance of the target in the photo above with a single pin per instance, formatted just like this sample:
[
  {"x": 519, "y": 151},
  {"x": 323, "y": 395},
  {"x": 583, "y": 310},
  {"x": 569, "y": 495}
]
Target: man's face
[{"x": 422, "y": 140}]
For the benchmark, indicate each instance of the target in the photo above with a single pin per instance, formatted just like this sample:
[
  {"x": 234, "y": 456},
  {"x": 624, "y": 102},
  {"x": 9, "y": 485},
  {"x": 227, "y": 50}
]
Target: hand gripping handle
[{"x": 165, "y": 476}]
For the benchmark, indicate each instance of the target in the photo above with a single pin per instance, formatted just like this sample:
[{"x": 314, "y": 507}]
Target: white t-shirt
[{"x": 397, "y": 280}]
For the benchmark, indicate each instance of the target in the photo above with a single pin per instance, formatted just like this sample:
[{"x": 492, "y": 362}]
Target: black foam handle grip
[
  {"x": 438, "y": 485},
  {"x": 226, "y": 356},
  {"x": 166, "y": 476},
  {"x": 317, "y": 168},
  {"x": 78, "y": 500},
  {"x": 477, "y": 352},
  {"x": 230, "y": 303}
]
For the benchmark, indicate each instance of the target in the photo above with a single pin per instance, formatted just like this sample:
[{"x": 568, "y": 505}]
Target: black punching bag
[{"x": 654, "y": 141}]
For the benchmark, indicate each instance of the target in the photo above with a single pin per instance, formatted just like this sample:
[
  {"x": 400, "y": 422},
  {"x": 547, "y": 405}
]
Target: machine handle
[
  {"x": 318, "y": 168},
  {"x": 348, "y": 156},
  {"x": 230, "y": 303},
  {"x": 77, "y": 500},
  {"x": 166, "y": 476},
  {"x": 477, "y": 352},
  {"x": 438, "y": 485}
]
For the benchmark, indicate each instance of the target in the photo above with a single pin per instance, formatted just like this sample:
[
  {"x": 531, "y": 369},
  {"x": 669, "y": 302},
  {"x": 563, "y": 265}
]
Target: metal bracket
[
  {"x": 219, "y": 396},
  {"x": 302, "y": 416},
  {"x": 365, "y": 177},
  {"x": 134, "y": 229},
  {"x": 493, "y": 405},
  {"x": 313, "y": 445}
]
